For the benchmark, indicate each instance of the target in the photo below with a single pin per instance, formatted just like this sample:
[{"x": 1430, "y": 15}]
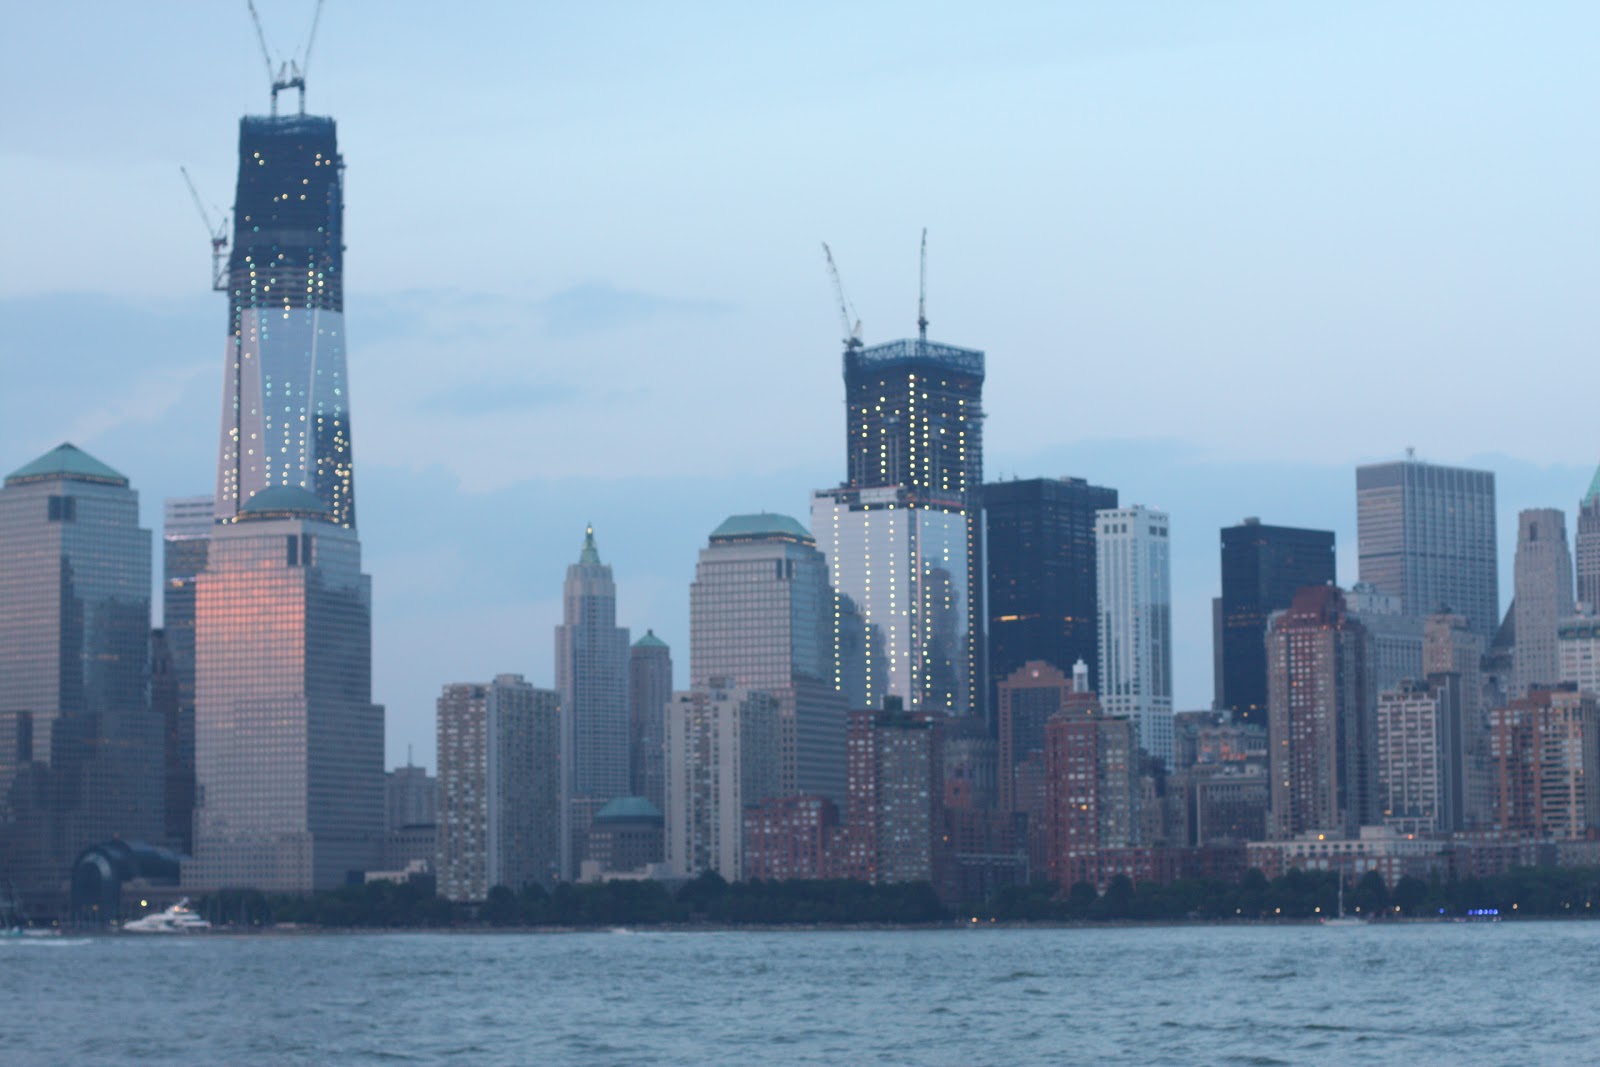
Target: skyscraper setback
[{"x": 286, "y": 394}]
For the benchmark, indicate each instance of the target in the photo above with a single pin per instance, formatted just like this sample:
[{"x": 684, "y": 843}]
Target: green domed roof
[
  {"x": 66, "y": 460},
  {"x": 649, "y": 640},
  {"x": 285, "y": 501},
  {"x": 628, "y": 809},
  {"x": 762, "y": 526},
  {"x": 1594, "y": 488}
]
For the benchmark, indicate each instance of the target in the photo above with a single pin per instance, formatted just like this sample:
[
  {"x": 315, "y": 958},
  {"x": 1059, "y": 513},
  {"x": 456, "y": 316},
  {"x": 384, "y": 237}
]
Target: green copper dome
[
  {"x": 763, "y": 526},
  {"x": 1594, "y": 488},
  {"x": 649, "y": 640},
  {"x": 69, "y": 461},
  {"x": 627, "y": 809}
]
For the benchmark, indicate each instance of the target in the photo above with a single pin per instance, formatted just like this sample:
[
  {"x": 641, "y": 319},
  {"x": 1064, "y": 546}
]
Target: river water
[{"x": 1523, "y": 992}]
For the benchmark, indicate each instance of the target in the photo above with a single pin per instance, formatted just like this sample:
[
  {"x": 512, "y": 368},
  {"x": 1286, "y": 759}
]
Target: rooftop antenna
[
  {"x": 922, "y": 290},
  {"x": 847, "y": 313},
  {"x": 290, "y": 74},
  {"x": 219, "y": 236}
]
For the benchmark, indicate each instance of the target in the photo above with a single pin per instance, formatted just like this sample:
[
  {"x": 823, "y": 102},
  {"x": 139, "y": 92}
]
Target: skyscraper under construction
[{"x": 286, "y": 394}]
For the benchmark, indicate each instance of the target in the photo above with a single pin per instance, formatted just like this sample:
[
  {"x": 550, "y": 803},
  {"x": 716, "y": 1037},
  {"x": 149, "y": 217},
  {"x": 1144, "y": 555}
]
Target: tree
[{"x": 1370, "y": 896}]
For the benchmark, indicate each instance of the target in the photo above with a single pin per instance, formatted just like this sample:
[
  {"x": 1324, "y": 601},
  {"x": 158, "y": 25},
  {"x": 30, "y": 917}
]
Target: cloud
[
  {"x": 487, "y": 398},
  {"x": 596, "y": 306}
]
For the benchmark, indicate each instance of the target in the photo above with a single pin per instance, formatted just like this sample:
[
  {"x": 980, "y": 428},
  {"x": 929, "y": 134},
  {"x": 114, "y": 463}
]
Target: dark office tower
[
  {"x": 1321, "y": 728},
  {"x": 1039, "y": 534},
  {"x": 1542, "y": 600},
  {"x": 177, "y": 748},
  {"x": 903, "y": 534},
  {"x": 80, "y": 753},
  {"x": 185, "y": 540},
  {"x": 286, "y": 394},
  {"x": 1263, "y": 567},
  {"x": 1426, "y": 534},
  {"x": 1587, "y": 545},
  {"x": 649, "y": 691}
]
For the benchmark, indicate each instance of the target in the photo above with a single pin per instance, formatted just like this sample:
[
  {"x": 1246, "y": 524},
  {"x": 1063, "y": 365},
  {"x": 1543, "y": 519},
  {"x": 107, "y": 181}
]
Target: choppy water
[{"x": 1448, "y": 993}]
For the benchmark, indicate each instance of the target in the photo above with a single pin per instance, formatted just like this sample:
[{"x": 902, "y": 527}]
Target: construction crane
[
  {"x": 219, "y": 237},
  {"x": 847, "y": 314},
  {"x": 922, "y": 290},
  {"x": 290, "y": 73}
]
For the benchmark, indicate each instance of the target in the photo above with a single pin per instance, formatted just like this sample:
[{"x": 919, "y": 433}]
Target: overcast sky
[{"x": 1217, "y": 255}]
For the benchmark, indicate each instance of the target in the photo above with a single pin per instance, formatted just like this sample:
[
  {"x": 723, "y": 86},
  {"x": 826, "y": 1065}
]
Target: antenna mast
[
  {"x": 847, "y": 314},
  {"x": 219, "y": 237},
  {"x": 922, "y": 290}
]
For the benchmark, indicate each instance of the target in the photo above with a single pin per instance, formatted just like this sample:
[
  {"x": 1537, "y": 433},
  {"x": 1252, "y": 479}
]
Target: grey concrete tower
[
  {"x": 1588, "y": 546},
  {"x": 1543, "y": 597}
]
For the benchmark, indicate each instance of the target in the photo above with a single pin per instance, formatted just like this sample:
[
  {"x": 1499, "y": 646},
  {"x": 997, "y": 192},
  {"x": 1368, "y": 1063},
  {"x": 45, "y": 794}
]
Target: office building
[
  {"x": 649, "y": 689},
  {"x": 288, "y": 744},
  {"x": 286, "y": 390},
  {"x": 1135, "y": 599},
  {"x": 761, "y": 617},
  {"x": 1453, "y": 665},
  {"x": 499, "y": 787},
  {"x": 1578, "y": 643},
  {"x": 895, "y": 816},
  {"x": 1028, "y": 697},
  {"x": 1587, "y": 546},
  {"x": 722, "y": 757},
  {"x": 186, "y": 535},
  {"x": 1543, "y": 598},
  {"x": 1397, "y": 638},
  {"x": 80, "y": 751},
  {"x": 903, "y": 534},
  {"x": 1263, "y": 567},
  {"x": 592, "y": 678},
  {"x": 1426, "y": 534},
  {"x": 1319, "y": 716},
  {"x": 1546, "y": 749},
  {"x": 410, "y": 797},
  {"x": 1039, "y": 535},
  {"x": 626, "y": 837}
]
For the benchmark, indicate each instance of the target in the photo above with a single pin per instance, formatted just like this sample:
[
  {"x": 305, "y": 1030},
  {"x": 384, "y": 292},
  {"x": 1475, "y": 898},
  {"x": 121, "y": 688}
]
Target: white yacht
[{"x": 178, "y": 919}]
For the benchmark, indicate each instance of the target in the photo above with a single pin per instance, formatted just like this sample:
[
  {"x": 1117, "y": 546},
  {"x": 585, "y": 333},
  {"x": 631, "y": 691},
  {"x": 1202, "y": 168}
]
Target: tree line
[{"x": 709, "y": 899}]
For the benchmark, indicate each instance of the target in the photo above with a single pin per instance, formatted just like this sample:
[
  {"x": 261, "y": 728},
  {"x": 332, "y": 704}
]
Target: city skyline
[{"x": 155, "y": 420}]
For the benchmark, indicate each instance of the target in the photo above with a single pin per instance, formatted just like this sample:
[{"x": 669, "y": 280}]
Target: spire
[
  {"x": 1594, "y": 489},
  {"x": 590, "y": 554}
]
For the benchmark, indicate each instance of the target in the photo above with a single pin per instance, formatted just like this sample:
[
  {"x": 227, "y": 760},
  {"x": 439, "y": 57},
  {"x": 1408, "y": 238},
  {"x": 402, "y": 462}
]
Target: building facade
[
  {"x": 288, "y": 744},
  {"x": 1426, "y": 534},
  {"x": 1092, "y": 788},
  {"x": 1587, "y": 546},
  {"x": 1319, "y": 723},
  {"x": 186, "y": 535},
  {"x": 895, "y": 813},
  {"x": 649, "y": 689},
  {"x": 903, "y": 534},
  {"x": 761, "y": 617},
  {"x": 592, "y": 677},
  {"x": 1546, "y": 749},
  {"x": 1135, "y": 604},
  {"x": 80, "y": 750},
  {"x": 722, "y": 758},
  {"x": 1543, "y": 598},
  {"x": 1263, "y": 567},
  {"x": 1039, "y": 536},
  {"x": 286, "y": 389},
  {"x": 499, "y": 787}
]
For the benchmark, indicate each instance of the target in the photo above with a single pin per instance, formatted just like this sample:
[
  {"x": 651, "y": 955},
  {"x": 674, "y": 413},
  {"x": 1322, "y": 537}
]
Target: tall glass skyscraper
[
  {"x": 286, "y": 394},
  {"x": 1426, "y": 534},
  {"x": 760, "y": 618},
  {"x": 903, "y": 534},
  {"x": 80, "y": 751},
  {"x": 1135, "y": 586},
  {"x": 288, "y": 744}
]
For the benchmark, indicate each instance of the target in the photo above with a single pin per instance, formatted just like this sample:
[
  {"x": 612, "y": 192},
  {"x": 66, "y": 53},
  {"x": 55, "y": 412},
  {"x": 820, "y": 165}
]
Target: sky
[{"x": 1217, "y": 255}]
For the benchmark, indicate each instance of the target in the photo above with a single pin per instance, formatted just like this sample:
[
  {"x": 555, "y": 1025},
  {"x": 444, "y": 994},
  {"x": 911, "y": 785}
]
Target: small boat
[
  {"x": 1341, "y": 919},
  {"x": 178, "y": 919}
]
